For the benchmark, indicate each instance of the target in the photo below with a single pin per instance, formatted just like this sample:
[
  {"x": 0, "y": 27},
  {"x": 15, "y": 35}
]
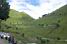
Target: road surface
[{"x": 3, "y": 41}]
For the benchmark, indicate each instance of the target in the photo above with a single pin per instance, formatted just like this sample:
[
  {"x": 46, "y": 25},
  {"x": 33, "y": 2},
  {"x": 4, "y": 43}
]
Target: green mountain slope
[
  {"x": 52, "y": 26},
  {"x": 56, "y": 24},
  {"x": 15, "y": 15},
  {"x": 58, "y": 17},
  {"x": 18, "y": 18}
]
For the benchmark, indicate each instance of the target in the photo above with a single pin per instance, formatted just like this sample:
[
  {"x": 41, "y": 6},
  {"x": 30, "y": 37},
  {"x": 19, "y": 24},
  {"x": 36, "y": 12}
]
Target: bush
[
  {"x": 41, "y": 24},
  {"x": 54, "y": 25},
  {"x": 59, "y": 21},
  {"x": 58, "y": 38}
]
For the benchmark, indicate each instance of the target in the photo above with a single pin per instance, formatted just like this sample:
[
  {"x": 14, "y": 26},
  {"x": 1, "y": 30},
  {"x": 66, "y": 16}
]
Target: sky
[{"x": 36, "y": 8}]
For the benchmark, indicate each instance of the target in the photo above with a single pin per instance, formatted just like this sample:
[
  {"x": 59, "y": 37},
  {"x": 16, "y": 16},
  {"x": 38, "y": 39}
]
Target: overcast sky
[{"x": 36, "y": 8}]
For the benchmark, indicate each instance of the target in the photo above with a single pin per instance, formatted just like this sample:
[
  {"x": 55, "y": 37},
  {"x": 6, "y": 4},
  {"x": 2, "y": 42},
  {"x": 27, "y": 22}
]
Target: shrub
[{"x": 58, "y": 38}]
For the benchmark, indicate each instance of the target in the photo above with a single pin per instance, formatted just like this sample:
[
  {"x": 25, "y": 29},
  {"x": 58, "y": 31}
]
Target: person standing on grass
[
  {"x": 9, "y": 39},
  {"x": 15, "y": 42}
]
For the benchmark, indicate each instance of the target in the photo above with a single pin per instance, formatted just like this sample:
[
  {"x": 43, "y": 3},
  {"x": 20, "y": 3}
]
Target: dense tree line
[{"x": 4, "y": 9}]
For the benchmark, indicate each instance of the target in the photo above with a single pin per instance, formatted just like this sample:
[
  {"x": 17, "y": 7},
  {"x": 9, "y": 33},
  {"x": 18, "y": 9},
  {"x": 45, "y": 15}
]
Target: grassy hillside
[
  {"x": 25, "y": 29},
  {"x": 56, "y": 24},
  {"x": 50, "y": 22},
  {"x": 15, "y": 16}
]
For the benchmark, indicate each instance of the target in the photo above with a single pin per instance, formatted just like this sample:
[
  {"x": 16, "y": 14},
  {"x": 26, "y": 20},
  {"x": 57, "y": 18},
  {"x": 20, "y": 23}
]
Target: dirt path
[{"x": 3, "y": 41}]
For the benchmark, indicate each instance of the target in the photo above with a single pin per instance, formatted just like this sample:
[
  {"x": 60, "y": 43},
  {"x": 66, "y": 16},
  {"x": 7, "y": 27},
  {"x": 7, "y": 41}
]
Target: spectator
[
  {"x": 15, "y": 42},
  {"x": 6, "y": 38},
  {"x": 9, "y": 39},
  {"x": 1, "y": 37}
]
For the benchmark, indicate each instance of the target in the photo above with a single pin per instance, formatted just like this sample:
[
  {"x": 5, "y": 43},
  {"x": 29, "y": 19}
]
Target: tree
[
  {"x": 44, "y": 15},
  {"x": 4, "y": 9}
]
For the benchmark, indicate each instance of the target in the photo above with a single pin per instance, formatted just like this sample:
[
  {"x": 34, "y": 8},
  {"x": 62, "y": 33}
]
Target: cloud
[
  {"x": 36, "y": 10},
  {"x": 33, "y": 2}
]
